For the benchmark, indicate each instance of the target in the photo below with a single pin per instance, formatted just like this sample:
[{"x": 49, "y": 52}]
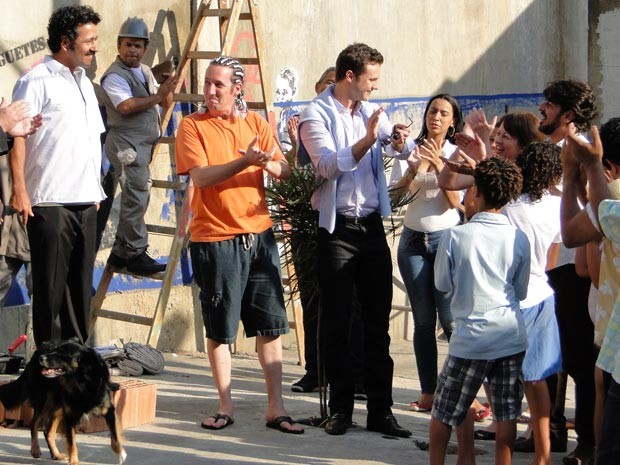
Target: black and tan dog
[{"x": 64, "y": 381}]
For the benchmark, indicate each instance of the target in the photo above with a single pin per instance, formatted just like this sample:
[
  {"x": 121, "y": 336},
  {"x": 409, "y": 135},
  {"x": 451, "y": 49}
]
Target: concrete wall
[
  {"x": 495, "y": 54},
  {"x": 604, "y": 72}
]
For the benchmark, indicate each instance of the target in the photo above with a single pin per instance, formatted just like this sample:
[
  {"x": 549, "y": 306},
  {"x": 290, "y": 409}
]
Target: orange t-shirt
[{"x": 236, "y": 205}]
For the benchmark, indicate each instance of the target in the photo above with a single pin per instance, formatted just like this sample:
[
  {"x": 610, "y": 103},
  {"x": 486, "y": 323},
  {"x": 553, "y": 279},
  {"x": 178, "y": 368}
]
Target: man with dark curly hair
[
  {"x": 56, "y": 186},
  {"x": 566, "y": 101},
  {"x": 489, "y": 340},
  {"x": 571, "y": 101}
]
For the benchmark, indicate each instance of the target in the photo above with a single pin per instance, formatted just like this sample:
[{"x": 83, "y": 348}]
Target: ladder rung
[
  {"x": 126, "y": 317},
  {"x": 210, "y": 55},
  {"x": 157, "y": 229},
  {"x": 163, "y": 184},
  {"x": 401, "y": 308},
  {"x": 197, "y": 98},
  {"x": 224, "y": 13},
  {"x": 257, "y": 106}
]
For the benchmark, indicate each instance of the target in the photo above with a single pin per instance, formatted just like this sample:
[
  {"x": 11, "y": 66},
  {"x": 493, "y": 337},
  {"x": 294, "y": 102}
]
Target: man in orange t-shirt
[{"x": 226, "y": 150}]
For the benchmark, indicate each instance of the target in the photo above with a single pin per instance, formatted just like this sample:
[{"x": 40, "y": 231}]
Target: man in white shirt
[
  {"x": 132, "y": 100},
  {"x": 343, "y": 135},
  {"x": 55, "y": 172}
]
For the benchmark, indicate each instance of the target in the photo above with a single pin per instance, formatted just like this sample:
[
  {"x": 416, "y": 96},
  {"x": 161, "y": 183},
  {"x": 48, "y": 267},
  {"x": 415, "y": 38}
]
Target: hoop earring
[{"x": 453, "y": 131}]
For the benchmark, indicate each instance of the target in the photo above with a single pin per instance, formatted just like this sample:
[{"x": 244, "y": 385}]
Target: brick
[{"x": 135, "y": 401}]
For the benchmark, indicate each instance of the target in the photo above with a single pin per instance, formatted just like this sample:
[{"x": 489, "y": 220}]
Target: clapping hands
[{"x": 15, "y": 121}]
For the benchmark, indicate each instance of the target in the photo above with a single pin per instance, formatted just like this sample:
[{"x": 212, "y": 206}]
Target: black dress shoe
[
  {"x": 117, "y": 261},
  {"x": 558, "y": 444},
  {"x": 524, "y": 444},
  {"x": 582, "y": 455},
  {"x": 388, "y": 425},
  {"x": 144, "y": 263},
  {"x": 307, "y": 383},
  {"x": 337, "y": 424}
]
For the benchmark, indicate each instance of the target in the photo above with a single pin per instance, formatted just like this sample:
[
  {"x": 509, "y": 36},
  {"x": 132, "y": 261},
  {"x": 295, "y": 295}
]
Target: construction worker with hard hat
[{"x": 132, "y": 99}]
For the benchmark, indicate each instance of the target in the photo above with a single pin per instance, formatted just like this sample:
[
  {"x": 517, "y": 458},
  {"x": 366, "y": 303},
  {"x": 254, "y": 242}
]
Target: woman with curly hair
[
  {"x": 432, "y": 211},
  {"x": 536, "y": 213}
]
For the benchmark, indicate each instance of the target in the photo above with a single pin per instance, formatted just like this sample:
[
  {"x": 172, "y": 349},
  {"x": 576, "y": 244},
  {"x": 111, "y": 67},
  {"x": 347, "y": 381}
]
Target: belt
[{"x": 358, "y": 220}]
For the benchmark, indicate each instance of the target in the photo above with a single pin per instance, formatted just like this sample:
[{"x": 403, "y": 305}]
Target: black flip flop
[
  {"x": 218, "y": 416},
  {"x": 277, "y": 425}
]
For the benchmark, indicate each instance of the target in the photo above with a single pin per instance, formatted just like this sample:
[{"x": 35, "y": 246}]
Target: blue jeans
[{"x": 416, "y": 259}]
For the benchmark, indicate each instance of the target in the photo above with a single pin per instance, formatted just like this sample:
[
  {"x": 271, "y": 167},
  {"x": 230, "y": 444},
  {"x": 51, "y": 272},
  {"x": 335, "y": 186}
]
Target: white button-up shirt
[
  {"x": 63, "y": 158},
  {"x": 357, "y": 193}
]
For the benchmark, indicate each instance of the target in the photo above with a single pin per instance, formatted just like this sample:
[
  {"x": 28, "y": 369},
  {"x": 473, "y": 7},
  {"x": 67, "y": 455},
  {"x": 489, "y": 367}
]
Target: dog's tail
[{"x": 12, "y": 394}]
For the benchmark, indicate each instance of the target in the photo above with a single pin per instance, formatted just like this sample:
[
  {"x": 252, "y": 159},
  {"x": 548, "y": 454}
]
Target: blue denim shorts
[{"x": 239, "y": 279}]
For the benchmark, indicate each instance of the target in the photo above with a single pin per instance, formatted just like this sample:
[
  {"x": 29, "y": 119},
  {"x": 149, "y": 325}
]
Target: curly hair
[
  {"x": 541, "y": 168},
  {"x": 65, "y": 21},
  {"x": 457, "y": 115},
  {"x": 610, "y": 137},
  {"x": 573, "y": 95},
  {"x": 355, "y": 58},
  {"x": 523, "y": 126},
  {"x": 498, "y": 180}
]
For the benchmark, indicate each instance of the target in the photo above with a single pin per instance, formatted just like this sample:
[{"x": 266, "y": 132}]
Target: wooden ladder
[{"x": 229, "y": 13}]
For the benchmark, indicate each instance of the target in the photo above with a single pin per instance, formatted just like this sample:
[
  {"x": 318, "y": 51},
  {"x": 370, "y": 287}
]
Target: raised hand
[
  {"x": 431, "y": 151},
  {"x": 474, "y": 146},
  {"x": 372, "y": 125},
  {"x": 15, "y": 121},
  {"x": 291, "y": 127},
  {"x": 584, "y": 152},
  {"x": 477, "y": 120},
  {"x": 255, "y": 156},
  {"x": 466, "y": 166}
]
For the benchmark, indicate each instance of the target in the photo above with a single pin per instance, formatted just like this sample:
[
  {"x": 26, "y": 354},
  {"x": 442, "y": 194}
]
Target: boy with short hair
[{"x": 484, "y": 266}]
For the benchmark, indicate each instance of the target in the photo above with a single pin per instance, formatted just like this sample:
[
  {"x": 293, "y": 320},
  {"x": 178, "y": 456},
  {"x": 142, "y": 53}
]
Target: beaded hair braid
[{"x": 238, "y": 76}]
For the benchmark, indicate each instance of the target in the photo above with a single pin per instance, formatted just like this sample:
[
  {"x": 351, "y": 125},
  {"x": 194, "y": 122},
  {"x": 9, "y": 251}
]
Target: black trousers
[
  {"x": 578, "y": 354},
  {"x": 62, "y": 248},
  {"x": 356, "y": 257},
  {"x": 608, "y": 451},
  {"x": 304, "y": 251}
]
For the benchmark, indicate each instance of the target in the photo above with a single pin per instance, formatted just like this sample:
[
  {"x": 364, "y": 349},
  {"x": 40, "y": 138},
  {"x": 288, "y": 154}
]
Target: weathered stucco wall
[
  {"x": 605, "y": 56},
  {"x": 496, "y": 54}
]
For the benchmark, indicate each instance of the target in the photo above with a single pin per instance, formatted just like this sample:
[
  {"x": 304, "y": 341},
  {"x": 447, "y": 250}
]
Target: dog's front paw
[
  {"x": 35, "y": 451},
  {"x": 122, "y": 456}
]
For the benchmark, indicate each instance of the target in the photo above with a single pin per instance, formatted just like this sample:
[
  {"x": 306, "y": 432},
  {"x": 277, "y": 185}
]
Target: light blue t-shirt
[{"x": 484, "y": 266}]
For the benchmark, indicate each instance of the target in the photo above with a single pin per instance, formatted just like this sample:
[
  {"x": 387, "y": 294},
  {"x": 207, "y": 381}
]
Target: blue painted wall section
[{"x": 401, "y": 109}]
